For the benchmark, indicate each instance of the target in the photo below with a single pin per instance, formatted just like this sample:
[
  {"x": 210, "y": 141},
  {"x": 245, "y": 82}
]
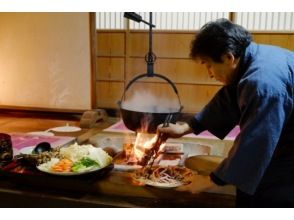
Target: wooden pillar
[
  {"x": 232, "y": 16},
  {"x": 93, "y": 43}
]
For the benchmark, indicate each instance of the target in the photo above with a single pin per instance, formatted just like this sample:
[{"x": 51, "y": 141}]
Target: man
[{"x": 258, "y": 96}]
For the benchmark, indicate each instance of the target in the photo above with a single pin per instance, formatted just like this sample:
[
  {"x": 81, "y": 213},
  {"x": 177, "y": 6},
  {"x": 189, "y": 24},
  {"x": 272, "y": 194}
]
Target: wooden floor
[{"x": 35, "y": 121}]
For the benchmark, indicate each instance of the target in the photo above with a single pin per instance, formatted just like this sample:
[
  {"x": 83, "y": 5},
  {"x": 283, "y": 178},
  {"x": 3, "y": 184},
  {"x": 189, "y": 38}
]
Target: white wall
[{"x": 45, "y": 60}]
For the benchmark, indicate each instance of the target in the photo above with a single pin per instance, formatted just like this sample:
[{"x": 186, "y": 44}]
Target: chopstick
[{"x": 159, "y": 141}]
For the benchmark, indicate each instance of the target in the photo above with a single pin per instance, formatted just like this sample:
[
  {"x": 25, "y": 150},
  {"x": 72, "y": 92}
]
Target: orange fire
[
  {"x": 136, "y": 151},
  {"x": 142, "y": 143}
]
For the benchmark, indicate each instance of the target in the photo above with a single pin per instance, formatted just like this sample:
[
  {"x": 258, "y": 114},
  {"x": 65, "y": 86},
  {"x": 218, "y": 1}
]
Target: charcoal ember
[
  {"x": 131, "y": 163},
  {"x": 145, "y": 159},
  {"x": 110, "y": 151},
  {"x": 128, "y": 150},
  {"x": 132, "y": 160}
]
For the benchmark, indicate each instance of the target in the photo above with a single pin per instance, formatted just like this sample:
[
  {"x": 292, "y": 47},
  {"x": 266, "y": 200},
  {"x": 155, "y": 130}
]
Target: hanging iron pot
[{"x": 136, "y": 120}]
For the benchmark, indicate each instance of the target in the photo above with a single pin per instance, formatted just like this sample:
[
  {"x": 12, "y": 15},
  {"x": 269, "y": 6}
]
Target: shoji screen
[
  {"x": 45, "y": 60},
  {"x": 178, "y": 20},
  {"x": 162, "y": 20},
  {"x": 110, "y": 20},
  {"x": 266, "y": 21}
]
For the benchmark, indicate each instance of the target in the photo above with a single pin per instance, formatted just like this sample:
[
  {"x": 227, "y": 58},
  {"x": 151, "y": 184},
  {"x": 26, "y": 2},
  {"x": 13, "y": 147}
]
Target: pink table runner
[
  {"x": 22, "y": 140},
  {"x": 120, "y": 127}
]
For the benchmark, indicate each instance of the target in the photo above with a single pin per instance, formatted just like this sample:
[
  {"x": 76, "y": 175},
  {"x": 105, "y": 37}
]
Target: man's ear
[{"x": 228, "y": 58}]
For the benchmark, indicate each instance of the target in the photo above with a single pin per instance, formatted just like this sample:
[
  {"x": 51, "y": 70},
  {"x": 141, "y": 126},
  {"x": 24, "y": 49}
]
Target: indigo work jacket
[{"x": 261, "y": 102}]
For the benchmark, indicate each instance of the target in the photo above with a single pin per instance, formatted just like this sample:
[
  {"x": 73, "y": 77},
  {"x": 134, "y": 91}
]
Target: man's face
[{"x": 222, "y": 72}]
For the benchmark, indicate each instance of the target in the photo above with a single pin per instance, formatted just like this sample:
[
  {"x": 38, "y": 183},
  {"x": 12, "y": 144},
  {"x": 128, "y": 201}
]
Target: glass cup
[{"x": 6, "y": 151}]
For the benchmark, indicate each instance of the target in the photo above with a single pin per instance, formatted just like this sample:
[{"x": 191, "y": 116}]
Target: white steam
[{"x": 143, "y": 101}]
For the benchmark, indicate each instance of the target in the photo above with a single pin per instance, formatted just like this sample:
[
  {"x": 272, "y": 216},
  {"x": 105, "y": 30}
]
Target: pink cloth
[
  {"x": 20, "y": 140},
  {"x": 120, "y": 127},
  {"x": 206, "y": 134}
]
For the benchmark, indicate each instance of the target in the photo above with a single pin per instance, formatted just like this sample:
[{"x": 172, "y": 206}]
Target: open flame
[
  {"x": 141, "y": 145},
  {"x": 136, "y": 151},
  {"x": 143, "y": 142}
]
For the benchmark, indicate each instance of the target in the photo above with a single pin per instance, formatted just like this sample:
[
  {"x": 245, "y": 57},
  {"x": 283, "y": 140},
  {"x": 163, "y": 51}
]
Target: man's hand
[
  {"x": 199, "y": 183},
  {"x": 175, "y": 130}
]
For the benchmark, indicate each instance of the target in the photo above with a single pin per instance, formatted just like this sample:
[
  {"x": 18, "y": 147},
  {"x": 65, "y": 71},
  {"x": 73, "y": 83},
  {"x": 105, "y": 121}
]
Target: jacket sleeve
[
  {"x": 262, "y": 121},
  {"x": 220, "y": 115}
]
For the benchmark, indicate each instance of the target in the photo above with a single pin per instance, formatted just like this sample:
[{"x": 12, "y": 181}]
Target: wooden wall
[{"x": 120, "y": 57}]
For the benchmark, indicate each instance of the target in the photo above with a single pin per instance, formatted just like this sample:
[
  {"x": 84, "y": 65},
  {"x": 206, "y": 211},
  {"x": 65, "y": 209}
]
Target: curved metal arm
[{"x": 149, "y": 58}]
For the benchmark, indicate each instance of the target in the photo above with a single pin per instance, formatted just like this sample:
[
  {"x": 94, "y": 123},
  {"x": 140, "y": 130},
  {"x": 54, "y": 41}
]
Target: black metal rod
[
  {"x": 148, "y": 23},
  {"x": 150, "y": 33},
  {"x": 150, "y": 57},
  {"x": 136, "y": 17}
]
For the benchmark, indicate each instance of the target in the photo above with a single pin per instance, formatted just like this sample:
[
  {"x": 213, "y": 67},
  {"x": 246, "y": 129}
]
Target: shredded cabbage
[
  {"x": 77, "y": 152},
  {"x": 100, "y": 156}
]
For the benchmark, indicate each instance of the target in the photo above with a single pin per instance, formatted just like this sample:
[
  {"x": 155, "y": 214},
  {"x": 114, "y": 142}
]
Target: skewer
[{"x": 158, "y": 143}]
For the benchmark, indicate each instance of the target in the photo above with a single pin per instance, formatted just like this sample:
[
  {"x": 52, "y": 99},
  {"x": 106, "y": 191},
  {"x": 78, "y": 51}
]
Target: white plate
[
  {"x": 98, "y": 170},
  {"x": 160, "y": 185},
  {"x": 42, "y": 133},
  {"x": 65, "y": 129},
  {"x": 122, "y": 167},
  {"x": 26, "y": 150}
]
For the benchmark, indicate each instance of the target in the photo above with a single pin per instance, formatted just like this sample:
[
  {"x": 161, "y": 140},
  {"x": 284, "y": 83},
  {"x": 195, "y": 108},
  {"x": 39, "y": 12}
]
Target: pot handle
[{"x": 157, "y": 75}]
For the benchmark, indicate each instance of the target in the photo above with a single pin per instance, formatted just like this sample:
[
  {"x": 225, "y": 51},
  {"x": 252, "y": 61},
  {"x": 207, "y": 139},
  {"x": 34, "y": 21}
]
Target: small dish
[
  {"x": 41, "y": 133},
  {"x": 65, "y": 129}
]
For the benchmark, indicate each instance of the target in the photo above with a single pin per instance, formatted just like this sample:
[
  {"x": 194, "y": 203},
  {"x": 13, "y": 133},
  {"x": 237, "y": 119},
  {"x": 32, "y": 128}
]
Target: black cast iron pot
[{"x": 136, "y": 120}]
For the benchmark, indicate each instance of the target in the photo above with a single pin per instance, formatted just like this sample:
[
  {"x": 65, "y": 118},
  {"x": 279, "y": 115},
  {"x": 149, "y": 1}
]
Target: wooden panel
[
  {"x": 108, "y": 94},
  {"x": 172, "y": 49},
  {"x": 177, "y": 70},
  {"x": 195, "y": 97},
  {"x": 192, "y": 97},
  {"x": 282, "y": 40},
  {"x": 164, "y": 44},
  {"x": 291, "y": 42},
  {"x": 261, "y": 38},
  {"x": 110, "y": 68},
  {"x": 110, "y": 44}
]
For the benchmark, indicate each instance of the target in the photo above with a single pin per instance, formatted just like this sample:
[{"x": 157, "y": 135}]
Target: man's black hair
[{"x": 218, "y": 37}]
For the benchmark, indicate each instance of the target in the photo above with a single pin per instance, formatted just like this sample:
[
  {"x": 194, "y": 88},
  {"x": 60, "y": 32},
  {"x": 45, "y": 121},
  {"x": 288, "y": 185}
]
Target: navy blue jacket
[{"x": 261, "y": 102}]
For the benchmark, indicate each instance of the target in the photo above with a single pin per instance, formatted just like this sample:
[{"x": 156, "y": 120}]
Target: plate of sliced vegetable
[
  {"x": 77, "y": 160},
  {"x": 164, "y": 177}
]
